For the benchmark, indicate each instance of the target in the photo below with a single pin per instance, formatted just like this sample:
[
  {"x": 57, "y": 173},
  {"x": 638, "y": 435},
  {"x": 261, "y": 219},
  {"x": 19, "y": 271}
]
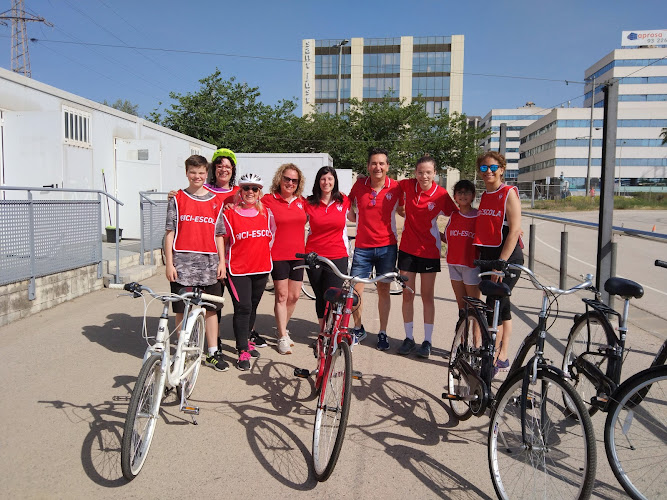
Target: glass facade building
[{"x": 406, "y": 68}]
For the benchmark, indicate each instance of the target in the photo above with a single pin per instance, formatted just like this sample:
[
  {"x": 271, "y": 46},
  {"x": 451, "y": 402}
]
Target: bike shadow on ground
[
  {"x": 409, "y": 418},
  {"x": 284, "y": 399},
  {"x": 100, "y": 450},
  {"x": 122, "y": 333}
]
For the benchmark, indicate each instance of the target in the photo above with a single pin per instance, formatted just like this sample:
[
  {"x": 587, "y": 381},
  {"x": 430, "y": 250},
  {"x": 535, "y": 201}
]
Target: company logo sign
[{"x": 644, "y": 37}]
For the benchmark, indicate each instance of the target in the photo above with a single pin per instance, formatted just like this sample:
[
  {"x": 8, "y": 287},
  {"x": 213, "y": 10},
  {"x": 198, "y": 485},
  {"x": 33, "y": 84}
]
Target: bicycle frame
[{"x": 327, "y": 341}]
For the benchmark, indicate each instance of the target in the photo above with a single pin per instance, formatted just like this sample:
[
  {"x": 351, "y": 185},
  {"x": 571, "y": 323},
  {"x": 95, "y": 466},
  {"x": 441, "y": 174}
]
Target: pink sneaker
[
  {"x": 253, "y": 349},
  {"x": 243, "y": 362}
]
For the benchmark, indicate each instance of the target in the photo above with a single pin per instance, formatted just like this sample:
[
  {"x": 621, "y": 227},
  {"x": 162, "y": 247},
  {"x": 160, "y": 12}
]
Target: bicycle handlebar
[
  {"x": 504, "y": 266},
  {"x": 136, "y": 289},
  {"x": 312, "y": 259}
]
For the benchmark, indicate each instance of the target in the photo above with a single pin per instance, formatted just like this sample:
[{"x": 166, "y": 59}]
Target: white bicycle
[{"x": 161, "y": 370}]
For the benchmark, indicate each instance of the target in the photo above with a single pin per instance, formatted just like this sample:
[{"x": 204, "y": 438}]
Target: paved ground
[{"x": 70, "y": 375}]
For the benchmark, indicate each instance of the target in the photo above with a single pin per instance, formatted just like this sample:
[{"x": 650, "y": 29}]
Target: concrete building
[
  {"x": 558, "y": 143},
  {"x": 404, "y": 67},
  {"x": 515, "y": 119}
]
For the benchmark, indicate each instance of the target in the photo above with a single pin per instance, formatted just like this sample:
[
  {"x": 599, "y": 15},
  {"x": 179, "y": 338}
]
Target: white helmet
[{"x": 251, "y": 180}]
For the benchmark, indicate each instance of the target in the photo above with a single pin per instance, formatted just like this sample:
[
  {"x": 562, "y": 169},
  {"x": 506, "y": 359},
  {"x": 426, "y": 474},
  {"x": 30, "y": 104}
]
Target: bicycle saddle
[
  {"x": 624, "y": 288},
  {"x": 336, "y": 295},
  {"x": 491, "y": 289}
]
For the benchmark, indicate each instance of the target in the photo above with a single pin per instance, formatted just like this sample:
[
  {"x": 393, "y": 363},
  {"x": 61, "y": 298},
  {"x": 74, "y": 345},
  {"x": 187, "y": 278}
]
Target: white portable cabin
[{"x": 49, "y": 137}]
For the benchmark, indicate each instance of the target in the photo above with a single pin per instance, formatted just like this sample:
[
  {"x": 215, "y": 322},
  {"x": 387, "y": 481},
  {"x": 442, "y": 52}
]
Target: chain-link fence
[{"x": 153, "y": 209}]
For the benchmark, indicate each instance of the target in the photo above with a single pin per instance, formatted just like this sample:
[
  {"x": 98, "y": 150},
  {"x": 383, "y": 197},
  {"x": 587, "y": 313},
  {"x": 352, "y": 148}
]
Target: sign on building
[{"x": 644, "y": 37}]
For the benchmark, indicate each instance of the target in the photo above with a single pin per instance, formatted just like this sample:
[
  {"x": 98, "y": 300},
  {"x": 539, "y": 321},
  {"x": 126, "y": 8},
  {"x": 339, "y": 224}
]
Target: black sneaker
[
  {"x": 257, "y": 339},
  {"x": 383, "y": 342},
  {"x": 217, "y": 362},
  {"x": 243, "y": 362},
  {"x": 251, "y": 349},
  {"x": 407, "y": 347},
  {"x": 424, "y": 350},
  {"x": 359, "y": 335}
]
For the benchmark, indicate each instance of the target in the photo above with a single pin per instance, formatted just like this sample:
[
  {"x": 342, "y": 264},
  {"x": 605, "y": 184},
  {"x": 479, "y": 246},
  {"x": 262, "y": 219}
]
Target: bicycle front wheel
[
  {"x": 193, "y": 355},
  {"x": 333, "y": 408},
  {"x": 142, "y": 415},
  {"x": 468, "y": 333},
  {"x": 557, "y": 458},
  {"x": 635, "y": 433},
  {"x": 588, "y": 336},
  {"x": 307, "y": 289}
]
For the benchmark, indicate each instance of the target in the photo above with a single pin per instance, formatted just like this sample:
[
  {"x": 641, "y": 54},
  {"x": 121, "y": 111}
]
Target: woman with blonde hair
[{"x": 288, "y": 208}]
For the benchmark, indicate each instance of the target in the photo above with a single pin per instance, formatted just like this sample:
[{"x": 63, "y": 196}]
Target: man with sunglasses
[{"x": 376, "y": 199}]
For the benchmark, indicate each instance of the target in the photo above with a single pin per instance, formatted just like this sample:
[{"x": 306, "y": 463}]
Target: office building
[
  {"x": 369, "y": 69},
  {"x": 515, "y": 120},
  {"x": 558, "y": 144}
]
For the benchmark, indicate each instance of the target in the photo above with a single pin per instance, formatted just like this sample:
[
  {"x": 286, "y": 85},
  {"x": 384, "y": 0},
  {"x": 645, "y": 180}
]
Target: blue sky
[{"x": 542, "y": 40}]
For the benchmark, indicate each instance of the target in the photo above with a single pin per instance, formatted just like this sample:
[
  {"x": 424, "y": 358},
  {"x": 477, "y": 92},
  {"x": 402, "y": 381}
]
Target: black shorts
[
  {"x": 413, "y": 264},
  {"x": 214, "y": 289},
  {"x": 284, "y": 269}
]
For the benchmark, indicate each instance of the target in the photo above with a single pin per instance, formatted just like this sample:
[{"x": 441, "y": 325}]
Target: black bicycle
[{"x": 594, "y": 354}]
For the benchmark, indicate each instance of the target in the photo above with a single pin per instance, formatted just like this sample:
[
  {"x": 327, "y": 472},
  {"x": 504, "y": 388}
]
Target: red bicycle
[{"x": 334, "y": 374}]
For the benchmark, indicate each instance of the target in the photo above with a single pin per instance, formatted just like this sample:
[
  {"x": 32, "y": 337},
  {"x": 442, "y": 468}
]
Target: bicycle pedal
[
  {"x": 452, "y": 397},
  {"x": 600, "y": 401},
  {"x": 356, "y": 375},
  {"x": 301, "y": 373},
  {"x": 190, "y": 410}
]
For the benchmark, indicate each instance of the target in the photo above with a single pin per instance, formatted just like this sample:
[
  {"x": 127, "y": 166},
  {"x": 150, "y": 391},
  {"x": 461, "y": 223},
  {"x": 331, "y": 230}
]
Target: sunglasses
[
  {"x": 248, "y": 188},
  {"x": 484, "y": 168},
  {"x": 287, "y": 180},
  {"x": 373, "y": 197}
]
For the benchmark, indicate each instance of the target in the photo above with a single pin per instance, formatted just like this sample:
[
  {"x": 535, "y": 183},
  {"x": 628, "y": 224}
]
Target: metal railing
[
  {"x": 153, "y": 217},
  {"x": 39, "y": 237}
]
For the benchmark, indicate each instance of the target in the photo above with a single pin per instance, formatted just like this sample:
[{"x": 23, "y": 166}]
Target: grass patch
[{"x": 637, "y": 201}]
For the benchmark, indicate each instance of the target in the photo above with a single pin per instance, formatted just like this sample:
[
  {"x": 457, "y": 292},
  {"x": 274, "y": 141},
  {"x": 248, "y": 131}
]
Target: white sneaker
[
  {"x": 284, "y": 345},
  {"x": 291, "y": 342}
]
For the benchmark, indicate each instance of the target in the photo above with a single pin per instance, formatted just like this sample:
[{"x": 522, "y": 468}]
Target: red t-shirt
[
  {"x": 249, "y": 247},
  {"x": 460, "y": 232},
  {"x": 328, "y": 229},
  {"x": 421, "y": 236},
  {"x": 376, "y": 212},
  {"x": 196, "y": 220},
  {"x": 290, "y": 221}
]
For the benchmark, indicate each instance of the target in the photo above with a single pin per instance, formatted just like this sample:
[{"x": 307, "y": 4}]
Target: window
[
  {"x": 76, "y": 127},
  {"x": 195, "y": 150}
]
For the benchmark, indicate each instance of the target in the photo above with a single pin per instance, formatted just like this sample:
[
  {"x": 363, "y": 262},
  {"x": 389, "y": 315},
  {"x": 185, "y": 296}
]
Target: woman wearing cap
[
  {"x": 327, "y": 210},
  {"x": 221, "y": 175},
  {"x": 250, "y": 230},
  {"x": 288, "y": 208},
  {"x": 498, "y": 236}
]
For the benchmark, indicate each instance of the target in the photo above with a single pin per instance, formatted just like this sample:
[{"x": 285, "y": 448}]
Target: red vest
[
  {"x": 491, "y": 217},
  {"x": 249, "y": 250},
  {"x": 196, "y": 219},
  {"x": 460, "y": 232}
]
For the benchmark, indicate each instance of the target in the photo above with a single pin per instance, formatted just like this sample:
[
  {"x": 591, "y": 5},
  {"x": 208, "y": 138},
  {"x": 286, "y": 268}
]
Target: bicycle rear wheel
[
  {"x": 588, "y": 334},
  {"x": 196, "y": 341},
  {"x": 635, "y": 433},
  {"x": 463, "y": 350},
  {"x": 142, "y": 415},
  {"x": 558, "y": 457},
  {"x": 333, "y": 408}
]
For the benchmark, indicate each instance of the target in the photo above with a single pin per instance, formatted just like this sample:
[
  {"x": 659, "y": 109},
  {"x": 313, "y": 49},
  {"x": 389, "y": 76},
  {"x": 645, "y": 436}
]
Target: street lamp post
[
  {"x": 340, "y": 60},
  {"x": 620, "y": 160},
  {"x": 590, "y": 143}
]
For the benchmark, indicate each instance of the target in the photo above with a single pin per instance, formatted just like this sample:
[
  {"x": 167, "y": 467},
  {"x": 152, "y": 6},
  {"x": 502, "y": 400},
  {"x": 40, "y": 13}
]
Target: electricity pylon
[{"x": 18, "y": 17}]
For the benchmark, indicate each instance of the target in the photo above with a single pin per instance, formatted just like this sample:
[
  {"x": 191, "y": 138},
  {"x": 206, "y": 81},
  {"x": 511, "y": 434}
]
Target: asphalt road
[{"x": 69, "y": 377}]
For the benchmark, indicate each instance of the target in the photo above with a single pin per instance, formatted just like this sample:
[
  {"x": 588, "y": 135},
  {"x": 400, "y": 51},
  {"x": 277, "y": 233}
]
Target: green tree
[{"x": 125, "y": 106}]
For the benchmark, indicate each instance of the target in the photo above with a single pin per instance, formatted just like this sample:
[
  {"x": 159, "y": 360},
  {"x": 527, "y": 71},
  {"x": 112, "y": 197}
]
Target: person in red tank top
[
  {"x": 249, "y": 233},
  {"x": 194, "y": 247},
  {"x": 288, "y": 209},
  {"x": 498, "y": 236}
]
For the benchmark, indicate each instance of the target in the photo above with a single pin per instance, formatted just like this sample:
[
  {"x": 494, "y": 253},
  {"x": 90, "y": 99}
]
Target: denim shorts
[{"x": 383, "y": 259}]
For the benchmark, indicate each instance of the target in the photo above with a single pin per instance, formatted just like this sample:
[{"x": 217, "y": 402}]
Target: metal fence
[
  {"x": 44, "y": 236},
  {"x": 153, "y": 209}
]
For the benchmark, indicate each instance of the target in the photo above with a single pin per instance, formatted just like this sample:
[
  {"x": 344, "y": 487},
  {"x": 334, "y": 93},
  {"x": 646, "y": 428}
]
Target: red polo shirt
[
  {"x": 328, "y": 229},
  {"x": 376, "y": 212},
  {"x": 421, "y": 236},
  {"x": 290, "y": 219}
]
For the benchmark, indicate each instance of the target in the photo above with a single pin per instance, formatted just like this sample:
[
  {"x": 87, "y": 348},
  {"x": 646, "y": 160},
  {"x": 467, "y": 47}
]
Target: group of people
[{"x": 223, "y": 231}]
